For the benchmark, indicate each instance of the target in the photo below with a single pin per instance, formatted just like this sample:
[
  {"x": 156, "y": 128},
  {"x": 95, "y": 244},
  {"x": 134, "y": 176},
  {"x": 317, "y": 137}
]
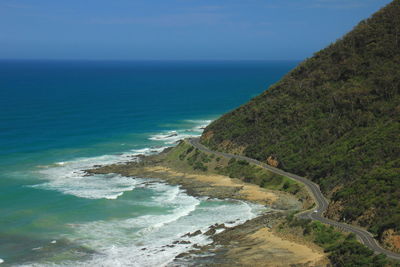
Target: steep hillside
[{"x": 335, "y": 119}]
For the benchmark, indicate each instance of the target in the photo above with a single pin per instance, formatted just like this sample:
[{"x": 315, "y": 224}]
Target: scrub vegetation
[{"x": 185, "y": 156}]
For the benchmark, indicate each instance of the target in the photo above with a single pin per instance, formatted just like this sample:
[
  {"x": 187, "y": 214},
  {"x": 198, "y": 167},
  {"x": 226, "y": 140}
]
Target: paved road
[{"x": 322, "y": 203}]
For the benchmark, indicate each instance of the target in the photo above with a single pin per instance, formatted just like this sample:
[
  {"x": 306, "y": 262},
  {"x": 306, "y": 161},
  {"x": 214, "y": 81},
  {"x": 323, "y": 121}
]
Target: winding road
[{"x": 364, "y": 236}]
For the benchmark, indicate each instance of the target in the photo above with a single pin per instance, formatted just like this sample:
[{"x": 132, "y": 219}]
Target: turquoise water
[{"x": 58, "y": 118}]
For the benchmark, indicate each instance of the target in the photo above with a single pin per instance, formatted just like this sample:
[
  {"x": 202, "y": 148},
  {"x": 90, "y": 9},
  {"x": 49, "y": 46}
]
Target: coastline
[{"x": 255, "y": 242}]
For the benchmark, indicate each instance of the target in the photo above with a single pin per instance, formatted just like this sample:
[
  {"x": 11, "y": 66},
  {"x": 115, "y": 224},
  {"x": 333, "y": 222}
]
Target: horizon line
[{"x": 141, "y": 60}]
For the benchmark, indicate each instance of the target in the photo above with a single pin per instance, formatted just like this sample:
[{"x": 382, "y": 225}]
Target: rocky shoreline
[
  {"x": 253, "y": 243},
  {"x": 199, "y": 184}
]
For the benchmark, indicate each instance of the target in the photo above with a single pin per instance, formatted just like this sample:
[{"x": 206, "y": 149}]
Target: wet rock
[
  {"x": 212, "y": 231},
  {"x": 221, "y": 226},
  {"x": 218, "y": 226},
  {"x": 180, "y": 241},
  {"x": 182, "y": 255},
  {"x": 198, "y": 232}
]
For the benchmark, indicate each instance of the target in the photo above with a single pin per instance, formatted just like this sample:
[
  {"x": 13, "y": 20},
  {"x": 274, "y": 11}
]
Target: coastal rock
[
  {"x": 247, "y": 245},
  {"x": 219, "y": 226},
  {"x": 181, "y": 242},
  {"x": 182, "y": 255},
  {"x": 198, "y": 232},
  {"x": 212, "y": 231}
]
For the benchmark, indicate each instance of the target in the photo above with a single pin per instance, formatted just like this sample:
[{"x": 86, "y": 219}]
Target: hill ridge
[{"x": 335, "y": 119}]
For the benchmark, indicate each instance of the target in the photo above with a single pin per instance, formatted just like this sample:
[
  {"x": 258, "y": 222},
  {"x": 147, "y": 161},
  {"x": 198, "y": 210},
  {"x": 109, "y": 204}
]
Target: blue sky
[{"x": 175, "y": 29}]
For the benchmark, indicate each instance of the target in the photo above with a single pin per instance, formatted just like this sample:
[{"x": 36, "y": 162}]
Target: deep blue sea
[{"x": 58, "y": 118}]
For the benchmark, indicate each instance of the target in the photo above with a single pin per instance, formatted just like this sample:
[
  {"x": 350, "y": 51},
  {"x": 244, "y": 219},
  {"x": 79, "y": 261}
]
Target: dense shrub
[{"x": 335, "y": 119}]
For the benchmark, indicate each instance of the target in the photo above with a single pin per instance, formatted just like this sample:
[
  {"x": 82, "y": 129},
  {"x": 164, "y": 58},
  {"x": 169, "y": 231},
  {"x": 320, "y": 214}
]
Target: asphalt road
[{"x": 364, "y": 236}]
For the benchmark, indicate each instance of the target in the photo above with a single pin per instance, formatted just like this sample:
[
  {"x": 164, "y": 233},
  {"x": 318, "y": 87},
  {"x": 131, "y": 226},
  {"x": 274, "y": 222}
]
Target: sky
[{"x": 175, "y": 29}]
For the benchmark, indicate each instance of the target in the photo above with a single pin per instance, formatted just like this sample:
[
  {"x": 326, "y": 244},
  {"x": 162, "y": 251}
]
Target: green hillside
[{"x": 335, "y": 119}]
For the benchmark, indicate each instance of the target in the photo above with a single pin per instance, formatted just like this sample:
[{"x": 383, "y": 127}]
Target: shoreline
[
  {"x": 249, "y": 243},
  {"x": 254, "y": 243}
]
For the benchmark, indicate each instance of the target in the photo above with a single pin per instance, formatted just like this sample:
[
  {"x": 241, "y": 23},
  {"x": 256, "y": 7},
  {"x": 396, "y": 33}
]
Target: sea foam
[
  {"x": 155, "y": 240},
  {"x": 172, "y": 137},
  {"x": 69, "y": 177}
]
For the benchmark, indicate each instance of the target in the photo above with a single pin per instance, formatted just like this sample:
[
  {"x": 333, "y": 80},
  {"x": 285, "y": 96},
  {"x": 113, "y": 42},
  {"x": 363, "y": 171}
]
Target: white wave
[
  {"x": 1, "y": 261},
  {"x": 165, "y": 193},
  {"x": 201, "y": 125},
  {"x": 149, "y": 151},
  {"x": 92, "y": 187},
  {"x": 155, "y": 240},
  {"x": 172, "y": 137},
  {"x": 200, "y": 122},
  {"x": 69, "y": 177}
]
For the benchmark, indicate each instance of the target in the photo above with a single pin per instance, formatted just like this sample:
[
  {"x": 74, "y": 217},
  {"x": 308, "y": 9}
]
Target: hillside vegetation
[{"x": 334, "y": 119}]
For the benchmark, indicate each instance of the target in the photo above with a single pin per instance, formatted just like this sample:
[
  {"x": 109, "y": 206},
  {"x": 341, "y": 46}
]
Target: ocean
[{"x": 58, "y": 118}]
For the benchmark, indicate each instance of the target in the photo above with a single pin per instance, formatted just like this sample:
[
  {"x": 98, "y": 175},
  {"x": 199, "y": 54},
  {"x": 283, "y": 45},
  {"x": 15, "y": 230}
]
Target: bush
[{"x": 200, "y": 166}]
